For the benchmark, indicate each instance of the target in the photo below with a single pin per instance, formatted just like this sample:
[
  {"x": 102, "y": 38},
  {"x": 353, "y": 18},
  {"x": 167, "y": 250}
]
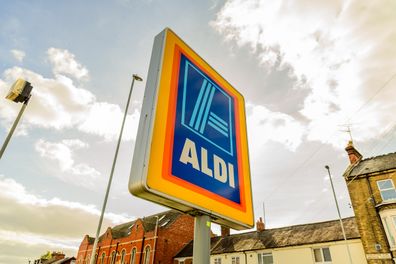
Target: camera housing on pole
[{"x": 20, "y": 91}]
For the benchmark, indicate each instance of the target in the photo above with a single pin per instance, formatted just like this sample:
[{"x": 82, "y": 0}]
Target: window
[
  {"x": 147, "y": 255},
  {"x": 103, "y": 258},
  {"x": 387, "y": 189},
  {"x": 123, "y": 253},
  {"x": 322, "y": 255},
  {"x": 265, "y": 258},
  {"x": 88, "y": 258},
  {"x": 389, "y": 233},
  {"x": 113, "y": 257},
  {"x": 235, "y": 260},
  {"x": 217, "y": 261},
  {"x": 388, "y": 219},
  {"x": 133, "y": 256}
]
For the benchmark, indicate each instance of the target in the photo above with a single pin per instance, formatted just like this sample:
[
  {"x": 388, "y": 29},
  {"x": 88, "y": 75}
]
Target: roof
[
  {"x": 65, "y": 260},
  {"x": 123, "y": 230},
  {"x": 374, "y": 164},
  {"x": 280, "y": 237},
  {"x": 188, "y": 249}
]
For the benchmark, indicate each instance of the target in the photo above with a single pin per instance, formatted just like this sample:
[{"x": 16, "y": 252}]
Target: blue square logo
[
  {"x": 204, "y": 140},
  {"x": 207, "y": 111}
]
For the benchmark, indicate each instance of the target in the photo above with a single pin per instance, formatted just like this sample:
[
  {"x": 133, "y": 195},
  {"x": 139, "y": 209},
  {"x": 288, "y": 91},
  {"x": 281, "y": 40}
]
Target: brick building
[
  {"x": 371, "y": 187},
  {"x": 150, "y": 240}
]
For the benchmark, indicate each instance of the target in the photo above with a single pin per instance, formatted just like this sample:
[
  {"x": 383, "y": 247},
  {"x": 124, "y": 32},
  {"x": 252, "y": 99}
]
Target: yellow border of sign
[{"x": 155, "y": 182}]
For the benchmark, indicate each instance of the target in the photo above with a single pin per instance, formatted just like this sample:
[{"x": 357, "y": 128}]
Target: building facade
[
  {"x": 149, "y": 240},
  {"x": 371, "y": 186},
  {"x": 317, "y": 243}
]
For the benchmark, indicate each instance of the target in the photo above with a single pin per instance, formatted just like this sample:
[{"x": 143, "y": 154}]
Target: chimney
[
  {"x": 225, "y": 231},
  {"x": 353, "y": 154},
  {"x": 260, "y": 225},
  {"x": 58, "y": 255}
]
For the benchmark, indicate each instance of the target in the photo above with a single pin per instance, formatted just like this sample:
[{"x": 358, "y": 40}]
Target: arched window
[
  {"x": 123, "y": 253},
  {"x": 147, "y": 255},
  {"x": 133, "y": 256},
  {"x": 88, "y": 259},
  {"x": 113, "y": 257},
  {"x": 102, "y": 259}
]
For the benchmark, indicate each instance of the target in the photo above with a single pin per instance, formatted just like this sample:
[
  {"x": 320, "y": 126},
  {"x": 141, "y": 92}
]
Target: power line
[{"x": 305, "y": 162}]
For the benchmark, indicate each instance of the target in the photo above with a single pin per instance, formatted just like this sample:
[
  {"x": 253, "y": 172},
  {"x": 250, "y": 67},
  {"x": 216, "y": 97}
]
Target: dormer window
[{"x": 387, "y": 189}]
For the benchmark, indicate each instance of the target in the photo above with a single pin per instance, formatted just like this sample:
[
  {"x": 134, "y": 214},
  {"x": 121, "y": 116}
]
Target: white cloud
[
  {"x": 59, "y": 103},
  {"x": 341, "y": 50},
  {"x": 19, "y": 55},
  {"x": 33, "y": 239},
  {"x": 18, "y": 197},
  {"x": 264, "y": 125},
  {"x": 55, "y": 103},
  {"x": 103, "y": 119},
  {"x": 64, "y": 62},
  {"x": 37, "y": 224},
  {"x": 62, "y": 152}
]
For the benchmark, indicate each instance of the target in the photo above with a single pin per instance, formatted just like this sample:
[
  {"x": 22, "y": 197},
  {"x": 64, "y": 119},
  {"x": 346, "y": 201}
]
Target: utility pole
[
  {"x": 93, "y": 253},
  {"x": 339, "y": 214}
]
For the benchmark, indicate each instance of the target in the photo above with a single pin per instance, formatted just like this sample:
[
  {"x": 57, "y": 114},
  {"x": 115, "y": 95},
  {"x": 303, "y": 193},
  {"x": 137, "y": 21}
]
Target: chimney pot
[
  {"x": 353, "y": 155},
  {"x": 225, "y": 231},
  {"x": 260, "y": 225}
]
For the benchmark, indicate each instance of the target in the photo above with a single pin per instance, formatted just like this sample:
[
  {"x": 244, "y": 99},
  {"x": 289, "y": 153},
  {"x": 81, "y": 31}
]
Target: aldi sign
[{"x": 191, "y": 150}]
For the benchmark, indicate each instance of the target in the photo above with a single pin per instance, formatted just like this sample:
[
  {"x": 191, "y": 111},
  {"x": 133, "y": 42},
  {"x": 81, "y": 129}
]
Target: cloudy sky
[{"x": 308, "y": 69}]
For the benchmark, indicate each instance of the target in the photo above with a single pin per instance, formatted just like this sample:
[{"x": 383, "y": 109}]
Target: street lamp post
[
  {"x": 19, "y": 93},
  {"x": 339, "y": 214},
  {"x": 93, "y": 253}
]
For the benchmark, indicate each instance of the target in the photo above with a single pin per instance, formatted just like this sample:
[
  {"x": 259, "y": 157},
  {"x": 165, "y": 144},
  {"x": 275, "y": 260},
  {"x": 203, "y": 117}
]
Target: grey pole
[
  {"x": 13, "y": 127},
  {"x": 201, "y": 248},
  {"x": 339, "y": 214},
  {"x": 93, "y": 252}
]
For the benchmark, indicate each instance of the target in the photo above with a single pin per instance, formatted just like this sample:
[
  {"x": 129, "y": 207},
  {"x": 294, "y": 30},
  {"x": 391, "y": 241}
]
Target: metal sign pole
[{"x": 201, "y": 249}]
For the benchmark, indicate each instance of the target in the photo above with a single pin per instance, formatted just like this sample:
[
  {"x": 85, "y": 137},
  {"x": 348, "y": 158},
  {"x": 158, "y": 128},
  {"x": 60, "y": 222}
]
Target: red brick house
[{"x": 149, "y": 240}]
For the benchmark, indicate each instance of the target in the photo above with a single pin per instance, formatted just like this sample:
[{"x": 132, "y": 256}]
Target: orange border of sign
[
  {"x": 159, "y": 177},
  {"x": 167, "y": 157}
]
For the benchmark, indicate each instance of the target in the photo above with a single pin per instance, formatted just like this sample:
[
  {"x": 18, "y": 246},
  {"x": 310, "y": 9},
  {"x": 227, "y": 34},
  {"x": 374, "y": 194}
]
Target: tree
[{"x": 46, "y": 256}]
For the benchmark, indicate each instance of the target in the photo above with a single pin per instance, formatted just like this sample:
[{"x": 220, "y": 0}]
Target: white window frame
[
  {"x": 217, "y": 260},
  {"x": 235, "y": 260},
  {"x": 133, "y": 256},
  {"x": 262, "y": 255},
  {"x": 113, "y": 257},
  {"x": 322, "y": 255},
  {"x": 123, "y": 254},
  {"x": 387, "y": 189},
  {"x": 147, "y": 252},
  {"x": 102, "y": 258},
  {"x": 388, "y": 219}
]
